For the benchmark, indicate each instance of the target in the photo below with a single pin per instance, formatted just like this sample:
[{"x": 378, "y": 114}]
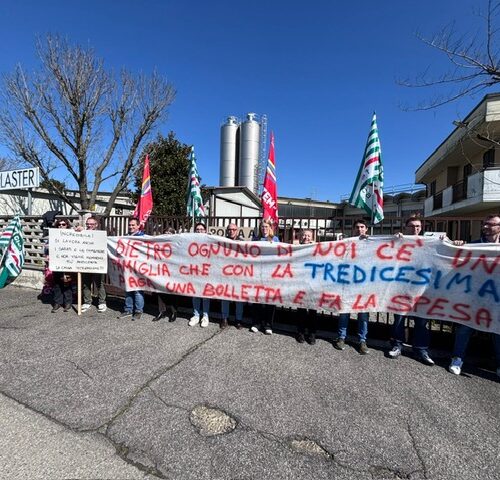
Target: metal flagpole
[{"x": 372, "y": 216}]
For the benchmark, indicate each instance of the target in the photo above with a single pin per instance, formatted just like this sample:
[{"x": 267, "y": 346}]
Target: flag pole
[{"x": 372, "y": 212}]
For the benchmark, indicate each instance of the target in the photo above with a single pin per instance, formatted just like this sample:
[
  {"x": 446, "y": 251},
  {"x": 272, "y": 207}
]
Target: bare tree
[
  {"x": 6, "y": 164},
  {"x": 474, "y": 59},
  {"x": 74, "y": 119}
]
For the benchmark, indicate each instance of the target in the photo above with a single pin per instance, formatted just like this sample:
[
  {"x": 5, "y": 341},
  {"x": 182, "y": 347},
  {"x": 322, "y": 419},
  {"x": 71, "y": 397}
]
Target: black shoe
[
  {"x": 67, "y": 308},
  {"x": 125, "y": 315},
  {"x": 173, "y": 314},
  {"x": 311, "y": 339},
  {"x": 224, "y": 324},
  {"x": 238, "y": 326},
  {"x": 55, "y": 308},
  {"x": 159, "y": 316},
  {"x": 300, "y": 338}
]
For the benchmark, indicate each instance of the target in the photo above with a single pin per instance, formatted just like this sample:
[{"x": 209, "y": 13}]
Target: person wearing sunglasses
[
  {"x": 233, "y": 233},
  {"x": 63, "y": 282},
  {"x": 490, "y": 233},
  {"x": 92, "y": 223}
]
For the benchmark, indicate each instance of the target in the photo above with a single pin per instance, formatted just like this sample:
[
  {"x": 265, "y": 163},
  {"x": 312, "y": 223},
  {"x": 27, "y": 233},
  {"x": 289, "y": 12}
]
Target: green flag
[
  {"x": 11, "y": 252},
  {"x": 367, "y": 192},
  {"x": 195, "y": 206}
]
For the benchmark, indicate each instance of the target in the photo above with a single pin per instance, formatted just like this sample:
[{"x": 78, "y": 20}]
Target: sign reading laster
[{"x": 21, "y": 178}]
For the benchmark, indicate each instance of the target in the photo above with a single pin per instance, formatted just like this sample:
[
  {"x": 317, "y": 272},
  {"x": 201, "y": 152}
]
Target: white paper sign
[{"x": 72, "y": 251}]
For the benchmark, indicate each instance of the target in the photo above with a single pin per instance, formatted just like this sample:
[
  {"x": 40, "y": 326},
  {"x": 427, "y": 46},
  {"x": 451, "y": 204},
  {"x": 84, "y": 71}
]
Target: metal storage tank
[
  {"x": 249, "y": 153},
  {"x": 228, "y": 152}
]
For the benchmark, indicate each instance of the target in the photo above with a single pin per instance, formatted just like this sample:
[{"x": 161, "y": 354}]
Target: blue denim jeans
[
  {"x": 462, "y": 337},
  {"x": 362, "y": 325},
  {"x": 420, "y": 333},
  {"x": 134, "y": 301},
  {"x": 238, "y": 310},
  {"x": 197, "y": 306}
]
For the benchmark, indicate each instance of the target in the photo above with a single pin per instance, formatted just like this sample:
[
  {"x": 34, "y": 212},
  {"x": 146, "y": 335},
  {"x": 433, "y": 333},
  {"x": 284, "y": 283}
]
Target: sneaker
[
  {"x": 137, "y": 316},
  {"x": 425, "y": 358},
  {"x": 395, "y": 352},
  {"x": 204, "y": 320},
  {"x": 55, "y": 308},
  {"x": 85, "y": 307},
  {"x": 224, "y": 324},
  {"x": 268, "y": 331},
  {"x": 254, "y": 329},
  {"x": 363, "y": 349},
  {"x": 300, "y": 338},
  {"x": 194, "y": 320},
  {"x": 311, "y": 339},
  {"x": 102, "y": 307},
  {"x": 456, "y": 365},
  {"x": 125, "y": 315},
  {"x": 339, "y": 344},
  {"x": 67, "y": 308}
]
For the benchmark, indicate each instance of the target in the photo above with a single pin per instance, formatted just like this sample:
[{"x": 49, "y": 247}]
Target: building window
[
  {"x": 489, "y": 159},
  {"x": 432, "y": 188}
]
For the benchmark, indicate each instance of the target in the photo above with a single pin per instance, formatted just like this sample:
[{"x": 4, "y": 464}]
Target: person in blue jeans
[
  {"x": 201, "y": 306},
  {"x": 413, "y": 226},
  {"x": 362, "y": 331},
  {"x": 360, "y": 229},
  {"x": 490, "y": 233},
  {"x": 134, "y": 301},
  {"x": 420, "y": 338}
]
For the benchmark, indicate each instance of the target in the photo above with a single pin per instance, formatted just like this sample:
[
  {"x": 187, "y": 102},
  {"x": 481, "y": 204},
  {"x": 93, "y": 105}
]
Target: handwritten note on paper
[{"x": 72, "y": 251}]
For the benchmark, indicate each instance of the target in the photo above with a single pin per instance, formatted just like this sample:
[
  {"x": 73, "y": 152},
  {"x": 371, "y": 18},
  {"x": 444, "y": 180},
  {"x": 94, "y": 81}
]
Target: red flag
[
  {"x": 145, "y": 204},
  {"x": 269, "y": 197}
]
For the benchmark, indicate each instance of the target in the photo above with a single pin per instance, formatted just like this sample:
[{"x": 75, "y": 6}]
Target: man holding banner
[
  {"x": 360, "y": 229},
  {"x": 490, "y": 234},
  {"x": 413, "y": 226}
]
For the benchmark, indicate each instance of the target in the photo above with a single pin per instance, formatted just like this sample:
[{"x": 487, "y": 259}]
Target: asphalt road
[{"x": 96, "y": 397}]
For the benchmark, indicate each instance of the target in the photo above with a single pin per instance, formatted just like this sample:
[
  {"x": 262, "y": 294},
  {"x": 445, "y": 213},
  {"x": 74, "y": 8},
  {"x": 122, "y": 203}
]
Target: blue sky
[{"x": 317, "y": 69}]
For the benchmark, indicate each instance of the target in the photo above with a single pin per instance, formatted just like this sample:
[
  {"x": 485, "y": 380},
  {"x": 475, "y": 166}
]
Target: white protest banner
[
  {"x": 425, "y": 277},
  {"x": 72, "y": 251}
]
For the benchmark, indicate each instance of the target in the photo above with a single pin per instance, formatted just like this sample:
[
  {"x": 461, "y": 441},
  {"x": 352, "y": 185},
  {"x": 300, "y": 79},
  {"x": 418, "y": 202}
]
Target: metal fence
[{"x": 325, "y": 229}]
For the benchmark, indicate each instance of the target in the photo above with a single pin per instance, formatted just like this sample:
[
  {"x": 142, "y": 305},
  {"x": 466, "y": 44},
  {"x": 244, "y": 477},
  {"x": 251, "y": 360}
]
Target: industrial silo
[
  {"x": 229, "y": 153},
  {"x": 249, "y": 153}
]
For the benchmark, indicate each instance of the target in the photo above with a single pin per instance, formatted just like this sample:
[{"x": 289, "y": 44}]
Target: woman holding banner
[
  {"x": 165, "y": 298},
  {"x": 63, "y": 282},
  {"x": 264, "y": 314},
  {"x": 306, "y": 323},
  {"x": 200, "y": 305}
]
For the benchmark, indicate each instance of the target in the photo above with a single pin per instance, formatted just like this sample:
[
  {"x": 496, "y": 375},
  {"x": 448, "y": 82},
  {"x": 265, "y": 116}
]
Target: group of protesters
[{"x": 262, "y": 315}]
